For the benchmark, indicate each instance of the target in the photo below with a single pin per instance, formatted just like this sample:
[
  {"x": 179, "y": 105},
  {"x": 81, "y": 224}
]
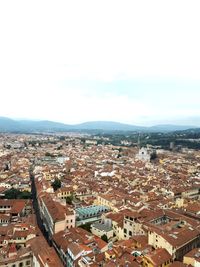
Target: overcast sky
[{"x": 131, "y": 61}]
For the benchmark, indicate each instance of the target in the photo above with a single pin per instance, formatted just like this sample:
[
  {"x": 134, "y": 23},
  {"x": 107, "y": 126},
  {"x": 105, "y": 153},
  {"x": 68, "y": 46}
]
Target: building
[
  {"x": 193, "y": 258},
  {"x": 159, "y": 258},
  {"x": 14, "y": 258},
  {"x": 90, "y": 213},
  {"x": 144, "y": 154},
  {"x": 177, "y": 241},
  {"x": 64, "y": 192},
  {"x": 132, "y": 225},
  {"x": 42, "y": 254},
  {"x": 103, "y": 228},
  {"x": 55, "y": 216}
]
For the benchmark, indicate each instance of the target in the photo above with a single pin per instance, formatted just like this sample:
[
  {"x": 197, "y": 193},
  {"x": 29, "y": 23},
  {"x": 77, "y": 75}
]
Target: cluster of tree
[
  {"x": 69, "y": 199},
  {"x": 16, "y": 194},
  {"x": 104, "y": 238},
  {"x": 56, "y": 184},
  {"x": 87, "y": 227},
  {"x": 47, "y": 154},
  {"x": 62, "y": 138},
  {"x": 153, "y": 155},
  {"x": 188, "y": 138},
  {"x": 189, "y": 144}
]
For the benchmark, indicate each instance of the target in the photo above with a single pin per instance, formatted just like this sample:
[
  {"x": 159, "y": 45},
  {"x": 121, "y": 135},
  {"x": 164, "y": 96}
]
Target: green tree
[
  {"x": 104, "y": 238},
  {"x": 153, "y": 155},
  {"x": 56, "y": 184},
  {"x": 86, "y": 226},
  {"x": 69, "y": 199},
  {"x": 25, "y": 195},
  {"x": 16, "y": 194},
  {"x": 12, "y": 193}
]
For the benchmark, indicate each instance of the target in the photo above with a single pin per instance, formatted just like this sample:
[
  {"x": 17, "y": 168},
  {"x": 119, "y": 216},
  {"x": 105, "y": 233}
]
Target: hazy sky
[{"x": 73, "y": 61}]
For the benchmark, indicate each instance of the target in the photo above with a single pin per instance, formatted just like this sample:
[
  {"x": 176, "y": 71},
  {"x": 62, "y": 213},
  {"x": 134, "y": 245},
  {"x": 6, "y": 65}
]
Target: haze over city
[
  {"x": 134, "y": 62},
  {"x": 99, "y": 133}
]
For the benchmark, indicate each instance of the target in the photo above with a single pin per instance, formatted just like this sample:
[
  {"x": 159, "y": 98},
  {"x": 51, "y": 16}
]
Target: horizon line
[{"x": 144, "y": 124}]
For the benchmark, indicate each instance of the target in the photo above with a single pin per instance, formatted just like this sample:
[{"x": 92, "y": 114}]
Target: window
[
  {"x": 21, "y": 264},
  {"x": 125, "y": 231},
  {"x": 130, "y": 233},
  {"x": 28, "y": 262}
]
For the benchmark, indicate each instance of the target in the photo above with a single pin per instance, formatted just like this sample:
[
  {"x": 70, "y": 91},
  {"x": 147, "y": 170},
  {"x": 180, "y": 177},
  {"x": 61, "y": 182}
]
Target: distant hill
[
  {"x": 169, "y": 128},
  {"x": 8, "y": 125},
  {"x": 189, "y": 131},
  {"x": 29, "y": 126},
  {"x": 46, "y": 126},
  {"x": 108, "y": 126}
]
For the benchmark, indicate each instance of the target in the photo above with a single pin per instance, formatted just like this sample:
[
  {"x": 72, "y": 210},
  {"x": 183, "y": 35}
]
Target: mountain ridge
[{"x": 12, "y": 125}]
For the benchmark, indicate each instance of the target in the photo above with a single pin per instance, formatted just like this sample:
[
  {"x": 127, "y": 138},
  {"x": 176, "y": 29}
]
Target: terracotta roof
[
  {"x": 195, "y": 254},
  {"x": 179, "y": 236},
  {"x": 75, "y": 249},
  {"x": 178, "y": 264},
  {"x": 158, "y": 256},
  {"x": 44, "y": 253},
  {"x": 56, "y": 210}
]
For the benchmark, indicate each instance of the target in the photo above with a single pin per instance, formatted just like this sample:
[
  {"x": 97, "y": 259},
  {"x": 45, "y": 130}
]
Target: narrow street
[{"x": 36, "y": 209}]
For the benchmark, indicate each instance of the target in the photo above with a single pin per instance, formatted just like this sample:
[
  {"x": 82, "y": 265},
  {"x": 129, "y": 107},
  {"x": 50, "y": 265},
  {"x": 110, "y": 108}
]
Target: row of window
[
  {"x": 130, "y": 232},
  {"x": 68, "y": 221},
  {"x": 128, "y": 223},
  {"x": 20, "y": 238},
  {"x": 21, "y": 264},
  {"x": 4, "y": 221},
  {"x": 129, "y": 218}
]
